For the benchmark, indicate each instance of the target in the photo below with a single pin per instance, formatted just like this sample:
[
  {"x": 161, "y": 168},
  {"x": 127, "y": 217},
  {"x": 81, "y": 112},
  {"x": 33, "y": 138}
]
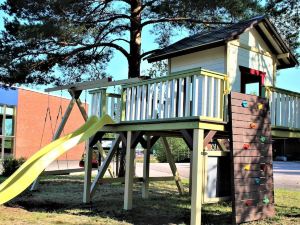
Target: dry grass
[{"x": 59, "y": 202}]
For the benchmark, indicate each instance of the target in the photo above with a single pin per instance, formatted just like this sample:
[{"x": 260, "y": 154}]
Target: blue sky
[{"x": 287, "y": 78}]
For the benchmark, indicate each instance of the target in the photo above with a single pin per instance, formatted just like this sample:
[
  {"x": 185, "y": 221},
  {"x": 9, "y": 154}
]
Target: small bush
[
  {"x": 180, "y": 150},
  {"x": 10, "y": 165}
]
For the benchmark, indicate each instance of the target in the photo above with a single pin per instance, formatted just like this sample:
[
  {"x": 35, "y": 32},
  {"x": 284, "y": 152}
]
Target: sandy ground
[{"x": 286, "y": 174}]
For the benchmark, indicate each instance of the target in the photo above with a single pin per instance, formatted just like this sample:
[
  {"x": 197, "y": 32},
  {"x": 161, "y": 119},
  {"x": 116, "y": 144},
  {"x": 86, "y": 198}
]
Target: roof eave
[
  {"x": 186, "y": 51},
  {"x": 292, "y": 57}
]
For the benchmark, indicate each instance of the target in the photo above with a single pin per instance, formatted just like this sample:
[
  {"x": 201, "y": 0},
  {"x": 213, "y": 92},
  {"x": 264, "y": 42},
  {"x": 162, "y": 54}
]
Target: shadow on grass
[{"x": 165, "y": 206}]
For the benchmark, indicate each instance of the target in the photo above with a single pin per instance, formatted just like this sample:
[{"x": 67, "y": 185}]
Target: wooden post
[
  {"x": 87, "y": 173},
  {"x": 172, "y": 165},
  {"x": 146, "y": 169},
  {"x": 197, "y": 167},
  {"x": 190, "y": 175},
  {"x": 129, "y": 173}
]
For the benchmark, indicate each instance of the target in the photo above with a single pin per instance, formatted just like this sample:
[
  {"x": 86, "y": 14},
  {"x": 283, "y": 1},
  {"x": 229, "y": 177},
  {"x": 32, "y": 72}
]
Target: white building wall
[
  {"x": 211, "y": 59},
  {"x": 249, "y": 51}
]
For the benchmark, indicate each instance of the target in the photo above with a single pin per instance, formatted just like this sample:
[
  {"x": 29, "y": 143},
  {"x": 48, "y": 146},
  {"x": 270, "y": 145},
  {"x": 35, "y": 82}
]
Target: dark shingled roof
[{"x": 210, "y": 39}]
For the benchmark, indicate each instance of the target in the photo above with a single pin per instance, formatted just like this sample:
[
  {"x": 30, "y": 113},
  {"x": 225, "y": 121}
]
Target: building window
[{"x": 7, "y": 130}]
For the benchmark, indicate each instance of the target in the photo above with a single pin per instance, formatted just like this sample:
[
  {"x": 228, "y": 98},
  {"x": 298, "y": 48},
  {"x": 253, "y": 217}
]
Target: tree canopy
[{"x": 65, "y": 41}]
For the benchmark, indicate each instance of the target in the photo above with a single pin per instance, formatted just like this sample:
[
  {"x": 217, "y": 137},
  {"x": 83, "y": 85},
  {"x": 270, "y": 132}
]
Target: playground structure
[{"x": 201, "y": 106}]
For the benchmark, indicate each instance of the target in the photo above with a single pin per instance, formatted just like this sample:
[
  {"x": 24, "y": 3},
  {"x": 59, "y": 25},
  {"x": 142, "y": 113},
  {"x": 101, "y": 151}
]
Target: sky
[{"x": 287, "y": 78}]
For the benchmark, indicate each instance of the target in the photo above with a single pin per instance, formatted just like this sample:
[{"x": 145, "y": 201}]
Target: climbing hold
[
  {"x": 248, "y": 202},
  {"x": 262, "y": 139},
  {"x": 266, "y": 200},
  {"x": 244, "y": 104},
  {"x": 247, "y": 167},
  {"x": 263, "y": 167},
  {"x": 260, "y": 106},
  {"x": 257, "y": 180},
  {"x": 252, "y": 125},
  {"x": 246, "y": 146}
]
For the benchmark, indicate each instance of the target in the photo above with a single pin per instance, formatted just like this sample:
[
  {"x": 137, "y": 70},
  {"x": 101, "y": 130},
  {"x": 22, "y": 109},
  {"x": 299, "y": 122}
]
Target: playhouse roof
[{"x": 219, "y": 37}]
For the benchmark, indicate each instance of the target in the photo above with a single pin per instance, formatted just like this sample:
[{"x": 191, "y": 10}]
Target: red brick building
[{"x": 22, "y": 119}]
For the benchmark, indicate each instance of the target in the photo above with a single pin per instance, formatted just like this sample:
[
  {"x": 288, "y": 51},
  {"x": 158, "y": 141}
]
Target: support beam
[
  {"x": 87, "y": 174},
  {"x": 221, "y": 146},
  {"x": 188, "y": 138},
  {"x": 197, "y": 177},
  {"x": 208, "y": 137},
  {"x": 105, "y": 164},
  {"x": 172, "y": 164},
  {"x": 129, "y": 172},
  {"x": 57, "y": 134},
  {"x": 146, "y": 169}
]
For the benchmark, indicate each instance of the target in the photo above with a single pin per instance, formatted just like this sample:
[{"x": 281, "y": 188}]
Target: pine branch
[{"x": 180, "y": 19}]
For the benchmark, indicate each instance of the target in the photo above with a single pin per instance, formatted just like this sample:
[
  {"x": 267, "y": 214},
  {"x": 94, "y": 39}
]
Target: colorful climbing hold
[
  {"x": 262, "y": 139},
  {"x": 246, "y": 146},
  {"x": 248, "y": 202},
  {"x": 266, "y": 200},
  {"x": 252, "y": 125},
  {"x": 247, "y": 167},
  {"x": 260, "y": 106},
  {"x": 244, "y": 104},
  {"x": 257, "y": 180}
]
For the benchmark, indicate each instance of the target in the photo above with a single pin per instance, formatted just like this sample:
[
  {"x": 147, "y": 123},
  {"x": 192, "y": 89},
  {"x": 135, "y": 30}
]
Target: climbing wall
[{"x": 251, "y": 148}]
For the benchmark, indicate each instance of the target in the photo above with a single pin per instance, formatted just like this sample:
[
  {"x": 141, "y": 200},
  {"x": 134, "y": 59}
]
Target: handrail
[
  {"x": 283, "y": 91},
  {"x": 180, "y": 74}
]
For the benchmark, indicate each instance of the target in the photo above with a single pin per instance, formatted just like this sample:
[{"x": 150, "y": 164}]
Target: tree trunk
[{"x": 134, "y": 61}]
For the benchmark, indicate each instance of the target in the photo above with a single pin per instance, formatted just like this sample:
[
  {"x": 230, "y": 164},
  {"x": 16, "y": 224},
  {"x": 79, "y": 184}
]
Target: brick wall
[{"x": 30, "y": 118}]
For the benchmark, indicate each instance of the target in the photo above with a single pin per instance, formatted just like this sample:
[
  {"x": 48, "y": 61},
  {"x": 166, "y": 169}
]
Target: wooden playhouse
[{"x": 204, "y": 99}]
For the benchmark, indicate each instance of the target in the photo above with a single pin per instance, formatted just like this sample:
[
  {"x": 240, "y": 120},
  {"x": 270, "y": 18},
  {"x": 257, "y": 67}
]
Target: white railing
[
  {"x": 186, "y": 94},
  {"x": 106, "y": 103},
  {"x": 285, "y": 108}
]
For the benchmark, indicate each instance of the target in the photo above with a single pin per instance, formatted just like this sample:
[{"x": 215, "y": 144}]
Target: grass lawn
[{"x": 59, "y": 202}]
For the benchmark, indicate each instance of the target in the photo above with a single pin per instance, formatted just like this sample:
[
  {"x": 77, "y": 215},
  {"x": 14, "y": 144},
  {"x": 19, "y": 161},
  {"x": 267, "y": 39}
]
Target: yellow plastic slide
[{"x": 35, "y": 165}]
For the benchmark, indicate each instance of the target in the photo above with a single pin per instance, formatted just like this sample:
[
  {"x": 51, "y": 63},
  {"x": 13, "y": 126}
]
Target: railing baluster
[
  {"x": 187, "y": 111},
  {"x": 200, "y": 81},
  {"x": 155, "y": 94},
  {"x": 211, "y": 97},
  {"x": 204, "y": 97},
  {"x": 195, "y": 99},
  {"x": 173, "y": 99},
  {"x": 144, "y": 102},
  {"x": 180, "y": 97},
  {"x": 149, "y": 101},
  {"x": 128, "y": 103},
  {"x": 278, "y": 110},
  {"x": 161, "y": 100},
  {"x": 218, "y": 93},
  {"x": 133, "y": 104},
  {"x": 168, "y": 99},
  {"x": 138, "y": 103},
  {"x": 273, "y": 108}
]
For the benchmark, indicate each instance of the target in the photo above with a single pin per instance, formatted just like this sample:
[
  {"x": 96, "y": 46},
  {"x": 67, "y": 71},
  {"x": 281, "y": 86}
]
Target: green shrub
[
  {"x": 10, "y": 165},
  {"x": 180, "y": 150}
]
